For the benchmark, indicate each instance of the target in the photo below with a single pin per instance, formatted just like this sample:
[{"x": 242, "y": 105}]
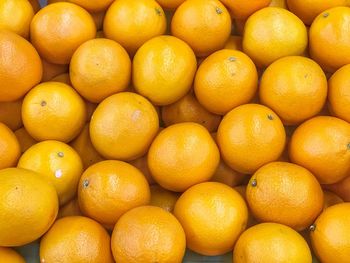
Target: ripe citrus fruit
[
  {"x": 331, "y": 199},
  {"x": 272, "y": 33},
  {"x": 10, "y": 149},
  {"x": 24, "y": 139},
  {"x": 342, "y": 188},
  {"x": 58, "y": 29},
  {"x": 225, "y": 80},
  {"x": 123, "y": 126},
  {"x": 51, "y": 70},
  {"x": 330, "y": 234},
  {"x": 163, "y": 69},
  {"x": 213, "y": 216},
  {"x": 291, "y": 83},
  {"x": 10, "y": 255},
  {"x": 234, "y": 42},
  {"x": 204, "y": 25},
  {"x": 93, "y": 6},
  {"x": 100, "y": 68},
  {"x": 108, "y": 189},
  {"x": 285, "y": 193},
  {"x": 10, "y": 114},
  {"x": 188, "y": 109},
  {"x": 20, "y": 66},
  {"x": 57, "y": 162},
  {"x": 53, "y": 111},
  {"x": 250, "y": 136},
  {"x": 70, "y": 209},
  {"x": 241, "y": 9},
  {"x": 339, "y": 88},
  {"x": 163, "y": 198},
  {"x": 322, "y": 145},
  {"x": 29, "y": 206},
  {"x": 148, "y": 234},
  {"x": 271, "y": 242},
  {"x": 170, "y": 4},
  {"x": 183, "y": 155},
  {"x": 329, "y": 38},
  {"x": 142, "y": 165},
  {"x": 120, "y": 23},
  {"x": 76, "y": 239}
]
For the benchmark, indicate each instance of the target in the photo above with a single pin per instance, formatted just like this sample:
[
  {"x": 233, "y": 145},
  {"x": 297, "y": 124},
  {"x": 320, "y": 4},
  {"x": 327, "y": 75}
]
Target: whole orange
[
  {"x": 20, "y": 66},
  {"x": 100, "y": 68},
  {"x": 250, "y": 136},
  {"x": 58, "y": 29},
  {"x": 10, "y": 150},
  {"x": 321, "y": 145},
  {"x": 148, "y": 234},
  {"x": 213, "y": 216},
  {"x": 10, "y": 114},
  {"x": 163, "y": 198},
  {"x": 204, "y": 24},
  {"x": 241, "y": 9},
  {"x": 10, "y": 255}
]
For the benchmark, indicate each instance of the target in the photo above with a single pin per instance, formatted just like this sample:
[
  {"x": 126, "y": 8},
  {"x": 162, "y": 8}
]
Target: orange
[
  {"x": 163, "y": 198},
  {"x": 285, "y": 193},
  {"x": 339, "y": 92},
  {"x": 10, "y": 114},
  {"x": 188, "y": 109},
  {"x": 10, "y": 255},
  {"x": 57, "y": 162},
  {"x": 120, "y": 23},
  {"x": 142, "y": 165},
  {"x": 204, "y": 25},
  {"x": 28, "y": 208},
  {"x": 10, "y": 150},
  {"x": 64, "y": 78},
  {"x": 148, "y": 234},
  {"x": 242, "y": 9},
  {"x": 163, "y": 69},
  {"x": 279, "y": 3},
  {"x": 24, "y": 139},
  {"x": 330, "y": 234},
  {"x": 295, "y": 88},
  {"x": 93, "y": 6},
  {"x": 76, "y": 239},
  {"x": 342, "y": 188},
  {"x": 250, "y": 136},
  {"x": 16, "y": 15},
  {"x": 123, "y": 126},
  {"x": 83, "y": 146},
  {"x": 183, "y": 155},
  {"x": 108, "y": 189},
  {"x": 100, "y": 68},
  {"x": 331, "y": 199},
  {"x": 20, "y": 66},
  {"x": 308, "y": 10},
  {"x": 271, "y": 242},
  {"x": 272, "y": 33},
  {"x": 225, "y": 80},
  {"x": 170, "y": 5},
  {"x": 51, "y": 70},
  {"x": 70, "y": 209},
  {"x": 53, "y": 111},
  {"x": 57, "y": 30},
  {"x": 213, "y": 216},
  {"x": 35, "y": 5},
  {"x": 330, "y": 38},
  {"x": 234, "y": 42},
  {"x": 321, "y": 145}
]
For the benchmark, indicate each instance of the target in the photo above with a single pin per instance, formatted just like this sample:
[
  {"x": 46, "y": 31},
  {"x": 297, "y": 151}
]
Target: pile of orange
[{"x": 132, "y": 130}]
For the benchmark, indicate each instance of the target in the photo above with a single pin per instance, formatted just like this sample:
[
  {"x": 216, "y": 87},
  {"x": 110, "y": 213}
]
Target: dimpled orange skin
[
  {"x": 170, "y": 5},
  {"x": 100, "y": 68},
  {"x": 163, "y": 198},
  {"x": 250, "y": 136},
  {"x": 285, "y": 193},
  {"x": 148, "y": 234},
  {"x": 183, "y": 155},
  {"x": 163, "y": 69},
  {"x": 24, "y": 139},
  {"x": 271, "y": 242},
  {"x": 57, "y": 162},
  {"x": 10, "y": 150},
  {"x": 204, "y": 25},
  {"x": 188, "y": 109},
  {"x": 20, "y": 66},
  {"x": 123, "y": 126},
  {"x": 321, "y": 145},
  {"x": 213, "y": 216},
  {"x": 58, "y": 29},
  {"x": 110, "y": 188},
  {"x": 76, "y": 239},
  {"x": 120, "y": 23},
  {"x": 53, "y": 111},
  {"x": 329, "y": 38},
  {"x": 93, "y": 6},
  {"x": 339, "y": 93},
  {"x": 10, "y": 255},
  {"x": 241, "y": 9},
  {"x": 330, "y": 239},
  {"x": 10, "y": 114},
  {"x": 272, "y": 33},
  {"x": 29, "y": 206},
  {"x": 225, "y": 80},
  {"x": 295, "y": 88}
]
